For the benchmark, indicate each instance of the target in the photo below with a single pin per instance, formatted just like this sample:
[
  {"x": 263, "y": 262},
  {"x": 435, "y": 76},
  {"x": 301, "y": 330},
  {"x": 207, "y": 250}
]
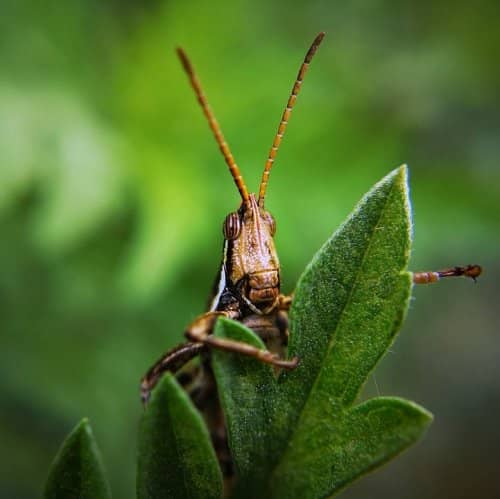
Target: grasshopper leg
[
  {"x": 471, "y": 271},
  {"x": 285, "y": 302},
  {"x": 200, "y": 331},
  {"x": 172, "y": 361}
]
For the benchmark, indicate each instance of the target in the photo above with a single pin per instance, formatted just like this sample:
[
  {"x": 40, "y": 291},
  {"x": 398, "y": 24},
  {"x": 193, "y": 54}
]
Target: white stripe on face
[{"x": 222, "y": 281}]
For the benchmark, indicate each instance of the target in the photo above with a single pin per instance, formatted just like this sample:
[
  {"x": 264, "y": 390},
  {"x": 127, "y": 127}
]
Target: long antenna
[
  {"x": 214, "y": 125},
  {"x": 286, "y": 115}
]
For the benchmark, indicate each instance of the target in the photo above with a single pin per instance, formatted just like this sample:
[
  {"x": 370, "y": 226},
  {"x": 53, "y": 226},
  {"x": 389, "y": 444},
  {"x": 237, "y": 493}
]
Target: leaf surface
[
  {"x": 300, "y": 433},
  {"x": 248, "y": 393},
  {"x": 77, "y": 469},
  {"x": 176, "y": 457}
]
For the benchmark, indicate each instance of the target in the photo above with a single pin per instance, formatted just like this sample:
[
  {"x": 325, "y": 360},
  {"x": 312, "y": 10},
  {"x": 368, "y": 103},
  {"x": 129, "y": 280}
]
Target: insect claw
[
  {"x": 289, "y": 364},
  {"x": 145, "y": 395}
]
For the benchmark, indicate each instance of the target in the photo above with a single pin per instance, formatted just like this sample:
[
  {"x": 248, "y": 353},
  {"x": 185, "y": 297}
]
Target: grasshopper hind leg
[{"x": 172, "y": 361}]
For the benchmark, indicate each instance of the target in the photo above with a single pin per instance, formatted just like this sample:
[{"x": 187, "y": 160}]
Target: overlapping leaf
[
  {"x": 176, "y": 458},
  {"x": 300, "y": 435}
]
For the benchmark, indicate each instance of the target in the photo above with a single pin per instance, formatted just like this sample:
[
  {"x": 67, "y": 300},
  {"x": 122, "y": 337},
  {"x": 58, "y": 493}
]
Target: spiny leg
[
  {"x": 201, "y": 331},
  {"x": 172, "y": 361},
  {"x": 471, "y": 271}
]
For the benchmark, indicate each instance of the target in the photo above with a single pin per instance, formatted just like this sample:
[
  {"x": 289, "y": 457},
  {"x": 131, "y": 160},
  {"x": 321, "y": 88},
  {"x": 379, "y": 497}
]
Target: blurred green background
[{"x": 112, "y": 194}]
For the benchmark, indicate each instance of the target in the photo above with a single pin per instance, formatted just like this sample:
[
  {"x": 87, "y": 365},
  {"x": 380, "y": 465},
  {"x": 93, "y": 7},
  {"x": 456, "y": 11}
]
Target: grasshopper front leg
[
  {"x": 285, "y": 302},
  {"x": 199, "y": 332},
  {"x": 201, "y": 329}
]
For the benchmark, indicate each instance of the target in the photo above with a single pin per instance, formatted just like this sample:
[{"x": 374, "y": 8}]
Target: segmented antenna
[
  {"x": 286, "y": 116},
  {"x": 214, "y": 125}
]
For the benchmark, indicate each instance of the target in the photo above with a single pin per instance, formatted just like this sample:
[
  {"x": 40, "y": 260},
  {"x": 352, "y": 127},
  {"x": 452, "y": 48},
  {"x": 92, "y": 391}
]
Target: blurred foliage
[{"x": 112, "y": 193}]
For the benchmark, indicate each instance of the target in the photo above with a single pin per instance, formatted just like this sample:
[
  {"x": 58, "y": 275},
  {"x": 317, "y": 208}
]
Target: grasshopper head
[{"x": 252, "y": 263}]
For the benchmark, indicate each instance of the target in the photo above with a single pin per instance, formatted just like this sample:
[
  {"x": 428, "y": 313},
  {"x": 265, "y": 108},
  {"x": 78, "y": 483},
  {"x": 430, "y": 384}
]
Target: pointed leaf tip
[
  {"x": 352, "y": 297},
  {"x": 77, "y": 469},
  {"x": 176, "y": 457}
]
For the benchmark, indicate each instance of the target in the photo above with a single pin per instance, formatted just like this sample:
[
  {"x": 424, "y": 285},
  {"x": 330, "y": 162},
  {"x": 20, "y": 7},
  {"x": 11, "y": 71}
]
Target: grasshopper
[{"x": 247, "y": 286}]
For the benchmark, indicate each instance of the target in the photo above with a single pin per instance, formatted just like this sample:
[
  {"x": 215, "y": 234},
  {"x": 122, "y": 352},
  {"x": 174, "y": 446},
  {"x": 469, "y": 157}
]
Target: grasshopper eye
[
  {"x": 272, "y": 223},
  {"x": 232, "y": 226}
]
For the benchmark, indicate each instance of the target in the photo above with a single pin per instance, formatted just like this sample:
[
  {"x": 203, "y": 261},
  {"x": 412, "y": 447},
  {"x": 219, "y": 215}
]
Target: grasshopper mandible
[{"x": 247, "y": 286}]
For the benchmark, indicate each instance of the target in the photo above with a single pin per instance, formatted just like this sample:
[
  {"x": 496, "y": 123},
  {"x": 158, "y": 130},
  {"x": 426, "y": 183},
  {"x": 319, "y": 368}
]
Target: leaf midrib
[{"x": 333, "y": 335}]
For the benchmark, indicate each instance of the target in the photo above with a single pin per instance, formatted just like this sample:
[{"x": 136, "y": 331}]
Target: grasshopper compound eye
[{"x": 232, "y": 226}]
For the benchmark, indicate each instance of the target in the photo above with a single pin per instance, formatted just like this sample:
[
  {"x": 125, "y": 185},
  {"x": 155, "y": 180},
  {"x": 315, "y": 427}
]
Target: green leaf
[
  {"x": 77, "y": 469},
  {"x": 176, "y": 457},
  {"x": 248, "y": 392},
  {"x": 299, "y": 435},
  {"x": 327, "y": 453},
  {"x": 353, "y": 296}
]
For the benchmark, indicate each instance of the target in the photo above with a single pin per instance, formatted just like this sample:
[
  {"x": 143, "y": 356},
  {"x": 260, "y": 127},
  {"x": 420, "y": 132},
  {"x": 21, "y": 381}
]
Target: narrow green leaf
[
  {"x": 248, "y": 392},
  {"x": 298, "y": 436},
  {"x": 176, "y": 457},
  {"x": 77, "y": 469},
  {"x": 352, "y": 297},
  {"x": 328, "y": 452}
]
